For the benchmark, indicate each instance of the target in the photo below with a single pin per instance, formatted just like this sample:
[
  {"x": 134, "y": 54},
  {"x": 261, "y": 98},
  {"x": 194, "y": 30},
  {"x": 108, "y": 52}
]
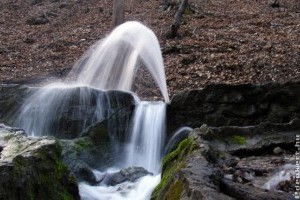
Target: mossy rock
[
  {"x": 170, "y": 186},
  {"x": 238, "y": 139},
  {"x": 32, "y": 168}
]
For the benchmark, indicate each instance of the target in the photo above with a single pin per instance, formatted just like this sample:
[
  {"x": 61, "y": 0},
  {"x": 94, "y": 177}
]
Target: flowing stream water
[
  {"x": 147, "y": 136},
  {"x": 144, "y": 150},
  {"x": 112, "y": 63}
]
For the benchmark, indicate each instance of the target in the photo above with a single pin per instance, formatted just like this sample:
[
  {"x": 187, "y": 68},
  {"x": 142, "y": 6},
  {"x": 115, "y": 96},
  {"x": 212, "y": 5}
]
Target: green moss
[
  {"x": 99, "y": 133},
  {"x": 82, "y": 144},
  {"x": 172, "y": 163},
  {"x": 42, "y": 175},
  {"x": 65, "y": 196},
  {"x": 61, "y": 167},
  {"x": 175, "y": 190},
  {"x": 241, "y": 140}
]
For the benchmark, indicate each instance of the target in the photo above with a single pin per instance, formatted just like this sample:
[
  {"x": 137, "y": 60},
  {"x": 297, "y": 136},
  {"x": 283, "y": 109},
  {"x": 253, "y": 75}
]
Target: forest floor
[{"x": 219, "y": 41}]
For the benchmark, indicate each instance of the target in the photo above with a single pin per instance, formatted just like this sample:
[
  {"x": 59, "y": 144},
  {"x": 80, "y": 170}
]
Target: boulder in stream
[
  {"x": 130, "y": 174},
  {"x": 31, "y": 168}
]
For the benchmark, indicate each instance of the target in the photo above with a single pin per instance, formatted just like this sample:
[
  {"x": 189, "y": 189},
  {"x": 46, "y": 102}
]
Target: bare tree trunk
[
  {"x": 176, "y": 24},
  {"x": 166, "y": 4},
  {"x": 118, "y": 12}
]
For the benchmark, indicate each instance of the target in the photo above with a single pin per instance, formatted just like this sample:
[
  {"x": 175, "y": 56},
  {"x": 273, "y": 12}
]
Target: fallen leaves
[{"x": 221, "y": 42}]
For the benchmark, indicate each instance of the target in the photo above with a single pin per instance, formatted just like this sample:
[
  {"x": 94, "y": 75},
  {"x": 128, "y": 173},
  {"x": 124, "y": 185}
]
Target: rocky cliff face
[
  {"x": 238, "y": 105},
  {"x": 31, "y": 168}
]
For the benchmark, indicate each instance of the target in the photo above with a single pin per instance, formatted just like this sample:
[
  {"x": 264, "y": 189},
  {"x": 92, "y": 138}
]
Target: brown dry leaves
[{"x": 219, "y": 41}]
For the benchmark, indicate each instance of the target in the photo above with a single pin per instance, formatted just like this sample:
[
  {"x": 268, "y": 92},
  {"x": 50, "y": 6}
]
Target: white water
[
  {"x": 111, "y": 64},
  {"x": 140, "y": 190},
  {"x": 144, "y": 150},
  {"x": 147, "y": 136},
  {"x": 39, "y": 113},
  {"x": 285, "y": 174},
  {"x": 179, "y": 134}
]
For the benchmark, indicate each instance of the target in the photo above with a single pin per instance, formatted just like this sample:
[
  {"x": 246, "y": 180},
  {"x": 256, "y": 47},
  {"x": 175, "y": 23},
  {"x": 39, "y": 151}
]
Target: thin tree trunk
[
  {"x": 118, "y": 12},
  {"x": 176, "y": 24},
  {"x": 165, "y": 4}
]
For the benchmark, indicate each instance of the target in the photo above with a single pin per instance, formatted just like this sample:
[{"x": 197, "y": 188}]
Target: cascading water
[
  {"x": 110, "y": 64},
  {"x": 113, "y": 62},
  {"x": 144, "y": 150},
  {"x": 147, "y": 136},
  {"x": 43, "y": 111}
]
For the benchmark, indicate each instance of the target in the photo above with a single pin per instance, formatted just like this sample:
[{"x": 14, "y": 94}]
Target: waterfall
[
  {"x": 144, "y": 149},
  {"x": 111, "y": 64},
  {"x": 147, "y": 136},
  {"x": 76, "y": 106}
]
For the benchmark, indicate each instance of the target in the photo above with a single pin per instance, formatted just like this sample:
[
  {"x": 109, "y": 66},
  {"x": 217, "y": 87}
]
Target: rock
[
  {"x": 231, "y": 155},
  {"x": 130, "y": 174},
  {"x": 84, "y": 173},
  {"x": 255, "y": 140},
  {"x": 31, "y": 168},
  {"x": 277, "y": 150},
  {"x": 234, "y": 105},
  {"x": 66, "y": 112},
  {"x": 12, "y": 96},
  {"x": 39, "y": 20},
  {"x": 187, "y": 174},
  {"x": 99, "y": 146},
  {"x": 244, "y": 192},
  {"x": 228, "y": 162},
  {"x": 287, "y": 185},
  {"x": 83, "y": 154}
]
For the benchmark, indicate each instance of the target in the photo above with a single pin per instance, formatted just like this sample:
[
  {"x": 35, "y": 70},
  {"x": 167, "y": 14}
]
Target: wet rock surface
[
  {"x": 97, "y": 143},
  {"x": 130, "y": 174},
  {"x": 83, "y": 154},
  {"x": 12, "y": 96},
  {"x": 70, "y": 112},
  {"x": 31, "y": 168}
]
